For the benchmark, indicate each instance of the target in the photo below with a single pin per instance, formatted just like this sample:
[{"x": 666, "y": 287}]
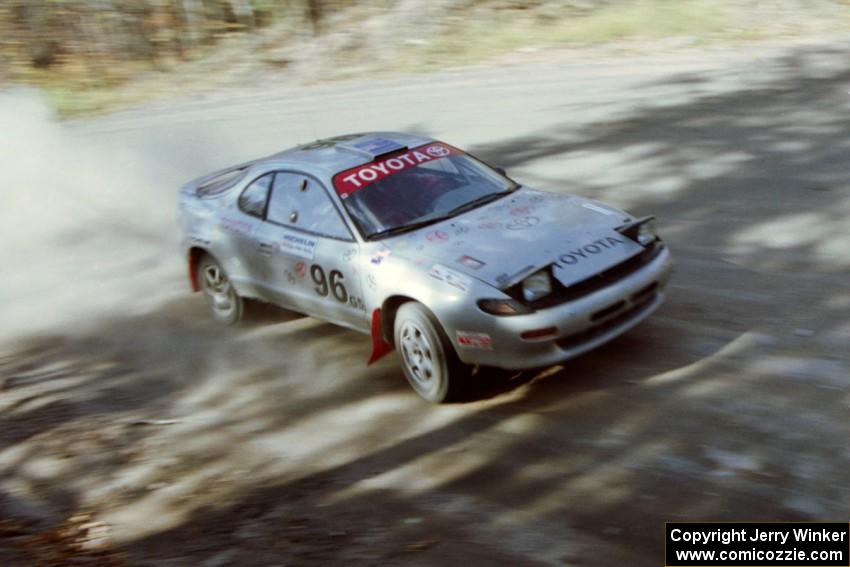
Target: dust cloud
[{"x": 89, "y": 227}]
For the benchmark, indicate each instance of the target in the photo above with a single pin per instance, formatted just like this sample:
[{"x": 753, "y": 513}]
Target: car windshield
[{"x": 412, "y": 188}]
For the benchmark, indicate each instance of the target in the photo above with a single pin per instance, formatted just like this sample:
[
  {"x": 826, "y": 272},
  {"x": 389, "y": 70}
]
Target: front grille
[
  {"x": 610, "y": 310},
  {"x": 561, "y": 294},
  {"x": 645, "y": 291},
  {"x": 578, "y": 339}
]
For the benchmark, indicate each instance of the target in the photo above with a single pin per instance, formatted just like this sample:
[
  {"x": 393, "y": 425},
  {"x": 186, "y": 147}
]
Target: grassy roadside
[
  {"x": 490, "y": 29},
  {"x": 641, "y": 19},
  {"x": 382, "y": 40}
]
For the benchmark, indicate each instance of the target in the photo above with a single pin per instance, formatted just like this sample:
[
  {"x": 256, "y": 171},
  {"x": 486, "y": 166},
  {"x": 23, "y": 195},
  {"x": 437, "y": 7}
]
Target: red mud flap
[{"x": 380, "y": 347}]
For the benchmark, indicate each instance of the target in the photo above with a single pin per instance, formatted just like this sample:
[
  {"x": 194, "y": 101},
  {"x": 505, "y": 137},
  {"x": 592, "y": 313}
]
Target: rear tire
[
  {"x": 428, "y": 359},
  {"x": 226, "y": 306}
]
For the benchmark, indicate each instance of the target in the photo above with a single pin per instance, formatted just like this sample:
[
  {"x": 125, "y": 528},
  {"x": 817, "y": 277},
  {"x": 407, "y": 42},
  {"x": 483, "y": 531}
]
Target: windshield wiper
[
  {"x": 406, "y": 227},
  {"x": 482, "y": 200}
]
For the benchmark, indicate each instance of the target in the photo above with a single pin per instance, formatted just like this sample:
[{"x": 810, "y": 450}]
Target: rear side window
[
  {"x": 253, "y": 199},
  {"x": 221, "y": 183},
  {"x": 300, "y": 202}
]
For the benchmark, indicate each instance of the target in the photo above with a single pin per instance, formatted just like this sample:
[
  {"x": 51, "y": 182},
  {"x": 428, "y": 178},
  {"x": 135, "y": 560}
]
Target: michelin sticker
[
  {"x": 297, "y": 245},
  {"x": 450, "y": 277}
]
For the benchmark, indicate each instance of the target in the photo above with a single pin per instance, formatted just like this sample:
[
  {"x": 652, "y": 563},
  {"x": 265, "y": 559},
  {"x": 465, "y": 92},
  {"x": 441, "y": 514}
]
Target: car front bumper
[{"x": 582, "y": 324}]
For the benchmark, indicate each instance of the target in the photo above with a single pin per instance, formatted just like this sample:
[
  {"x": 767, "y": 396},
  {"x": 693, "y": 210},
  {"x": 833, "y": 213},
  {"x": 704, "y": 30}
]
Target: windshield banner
[{"x": 351, "y": 180}]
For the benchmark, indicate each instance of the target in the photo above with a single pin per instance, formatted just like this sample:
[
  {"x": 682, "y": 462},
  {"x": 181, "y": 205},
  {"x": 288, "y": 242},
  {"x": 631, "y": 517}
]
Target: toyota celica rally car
[{"x": 427, "y": 249}]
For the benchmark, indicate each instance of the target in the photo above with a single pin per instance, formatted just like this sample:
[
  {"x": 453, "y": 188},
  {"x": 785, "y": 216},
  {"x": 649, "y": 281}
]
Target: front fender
[{"x": 449, "y": 294}]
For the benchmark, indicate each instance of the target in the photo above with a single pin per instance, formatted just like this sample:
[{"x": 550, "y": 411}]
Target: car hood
[{"x": 503, "y": 242}]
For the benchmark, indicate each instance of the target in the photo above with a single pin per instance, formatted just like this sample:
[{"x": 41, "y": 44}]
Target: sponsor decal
[
  {"x": 379, "y": 256},
  {"x": 489, "y": 225},
  {"x": 437, "y": 236},
  {"x": 437, "y": 151},
  {"x": 521, "y": 210},
  {"x": 297, "y": 245},
  {"x": 470, "y": 262},
  {"x": 357, "y": 303},
  {"x": 300, "y": 269},
  {"x": 522, "y": 223},
  {"x": 573, "y": 257},
  {"x": 462, "y": 229},
  {"x": 356, "y": 178},
  {"x": 371, "y": 281},
  {"x": 598, "y": 209},
  {"x": 472, "y": 340},
  {"x": 450, "y": 277},
  {"x": 349, "y": 254},
  {"x": 237, "y": 225}
]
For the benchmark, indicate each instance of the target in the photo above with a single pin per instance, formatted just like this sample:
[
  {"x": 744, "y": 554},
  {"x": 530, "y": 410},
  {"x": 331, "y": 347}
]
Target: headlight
[
  {"x": 641, "y": 231},
  {"x": 646, "y": 233},
  {"x": 536, "y": 286},
  {"x": 503, "y": 307}
]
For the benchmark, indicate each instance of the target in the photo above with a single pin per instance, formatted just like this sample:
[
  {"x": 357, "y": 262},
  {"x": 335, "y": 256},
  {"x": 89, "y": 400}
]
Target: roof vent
[{"x": 372, "y": 147}]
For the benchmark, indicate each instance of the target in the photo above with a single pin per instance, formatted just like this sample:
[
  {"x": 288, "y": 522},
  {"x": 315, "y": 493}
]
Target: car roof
[{"x": 332, "y": 155}]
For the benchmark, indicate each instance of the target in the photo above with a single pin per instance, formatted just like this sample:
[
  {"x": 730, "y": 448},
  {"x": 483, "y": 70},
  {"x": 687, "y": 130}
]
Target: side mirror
[{"x": 501, "y": 170}]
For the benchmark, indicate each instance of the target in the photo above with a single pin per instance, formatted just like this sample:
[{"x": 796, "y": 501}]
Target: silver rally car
[{"x": 427, "y": 249}]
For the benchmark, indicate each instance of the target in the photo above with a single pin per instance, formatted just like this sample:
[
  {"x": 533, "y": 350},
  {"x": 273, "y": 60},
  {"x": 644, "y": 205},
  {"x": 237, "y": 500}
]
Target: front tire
[
  {"x": 226, "y": 306},
  {"x": 428, "y": 359}
]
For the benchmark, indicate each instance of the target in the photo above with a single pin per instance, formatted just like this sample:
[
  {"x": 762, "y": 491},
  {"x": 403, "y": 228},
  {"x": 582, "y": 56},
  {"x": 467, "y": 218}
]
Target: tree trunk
[
  {"x": 314, "y": 14},
  {"x": 194, "y": 16},
  {"x": 244, "y": 12}
]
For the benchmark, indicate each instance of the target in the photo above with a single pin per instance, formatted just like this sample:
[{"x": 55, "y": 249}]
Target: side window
[
  {"x": 253, "y": 198},
  {"x": 300, "y": 202}
]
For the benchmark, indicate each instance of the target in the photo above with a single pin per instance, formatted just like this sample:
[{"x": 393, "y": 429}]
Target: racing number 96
[{"x": 330, "y": 284}]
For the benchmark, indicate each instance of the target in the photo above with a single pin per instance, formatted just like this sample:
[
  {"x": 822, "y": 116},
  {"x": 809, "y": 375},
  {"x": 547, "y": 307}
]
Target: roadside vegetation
[{"x": 90, "y": 56}]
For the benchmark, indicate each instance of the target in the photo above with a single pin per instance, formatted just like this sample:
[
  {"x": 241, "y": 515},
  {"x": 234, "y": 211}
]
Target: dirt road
[{"x": 191, "y": 445}]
